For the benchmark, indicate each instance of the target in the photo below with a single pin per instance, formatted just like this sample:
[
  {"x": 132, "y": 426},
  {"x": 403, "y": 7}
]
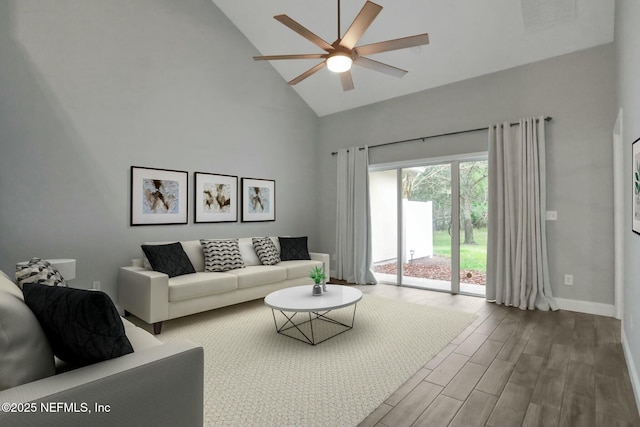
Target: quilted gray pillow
[
  {"x": 293, "y": 248},
  {"x": 170, "y": 259},
  {"x": 82, "y": 326},
  {"x": 266, "y": 250},
  {"x": 40, "y": 271},
  {"x": 221, "y": 255}
]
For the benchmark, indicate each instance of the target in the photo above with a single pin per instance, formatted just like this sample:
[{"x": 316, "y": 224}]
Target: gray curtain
[
  {"x": 353, "y": 231},
  {"x": 517, "y": 268}
]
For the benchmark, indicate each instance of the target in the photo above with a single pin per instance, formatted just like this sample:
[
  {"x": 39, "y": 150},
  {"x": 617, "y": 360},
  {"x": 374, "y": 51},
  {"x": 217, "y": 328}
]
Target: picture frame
[
  {"x": 215, "y": 198},
  {"x": 635, "y": 172},
  {"x": 158, "y": 196},
  {"x": 258, "y": 200}
]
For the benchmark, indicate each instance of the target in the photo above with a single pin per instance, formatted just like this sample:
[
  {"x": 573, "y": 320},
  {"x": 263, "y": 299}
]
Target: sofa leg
[
  {"x": 157, "y": 328},
  {"x": 126, "y": 313}
]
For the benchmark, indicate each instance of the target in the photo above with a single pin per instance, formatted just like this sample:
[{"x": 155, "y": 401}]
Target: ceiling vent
[{"x": 541, "y": 14}]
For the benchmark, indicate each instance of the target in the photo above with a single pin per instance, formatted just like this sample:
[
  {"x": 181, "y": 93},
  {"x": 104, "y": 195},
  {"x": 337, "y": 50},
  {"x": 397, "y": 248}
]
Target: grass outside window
[{"x": 472, "y": 257}]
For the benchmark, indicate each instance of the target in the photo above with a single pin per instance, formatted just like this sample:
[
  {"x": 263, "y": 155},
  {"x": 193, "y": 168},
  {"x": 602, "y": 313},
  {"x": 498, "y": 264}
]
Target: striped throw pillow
[
  {"x": 38, "y": 270},
  {"x": 221, "y": 255},
  {"x": 266, "y": 250}
]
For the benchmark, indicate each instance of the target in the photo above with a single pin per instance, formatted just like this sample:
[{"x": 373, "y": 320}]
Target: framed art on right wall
[
  {"x": 636, "y": 186},
  {"x": 258, "y": 200}
]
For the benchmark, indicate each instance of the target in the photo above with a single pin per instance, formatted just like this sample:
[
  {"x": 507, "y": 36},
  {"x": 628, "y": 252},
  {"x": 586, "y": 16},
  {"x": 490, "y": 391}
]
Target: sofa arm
[
  {"x": 324, "y": 258},
  {"x": 144, "y": 293},
  {"x": 158, "y": 386}
]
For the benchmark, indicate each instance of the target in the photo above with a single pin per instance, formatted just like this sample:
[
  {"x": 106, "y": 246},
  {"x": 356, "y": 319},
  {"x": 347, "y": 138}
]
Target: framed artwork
[
  {"x": 258, "y": 200},
  {"x": 216, "y": 198},
  {"x": 636, "y": 186},
  {"x": 158, "y": 196}
]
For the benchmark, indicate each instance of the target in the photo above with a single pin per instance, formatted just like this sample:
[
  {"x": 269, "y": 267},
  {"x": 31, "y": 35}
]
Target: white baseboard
[
  {"x": 632, "y": 368},
  {"x": 588, "y": 307}
]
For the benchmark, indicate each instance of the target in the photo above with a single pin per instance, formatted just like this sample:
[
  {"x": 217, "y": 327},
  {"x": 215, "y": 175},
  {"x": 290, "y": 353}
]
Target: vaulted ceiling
[{"x": 468, "y": 38}]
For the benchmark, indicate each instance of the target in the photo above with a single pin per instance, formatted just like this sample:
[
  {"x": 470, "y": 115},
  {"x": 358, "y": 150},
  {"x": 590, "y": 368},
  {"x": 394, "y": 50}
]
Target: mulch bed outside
[{"x": 436, "y": 267}]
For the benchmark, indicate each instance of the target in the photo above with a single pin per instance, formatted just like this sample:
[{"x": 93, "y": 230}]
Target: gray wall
[
  {"x": 577, "y": 90},
  {"x": 89, "y": 88},
  {"x": 628, "y": 43}
]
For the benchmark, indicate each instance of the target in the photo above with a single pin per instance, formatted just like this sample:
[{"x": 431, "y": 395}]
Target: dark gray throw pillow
[
  {"x": 82, "y": 326},
  {"x": 170, "y": 259},
  {"x": 293, "y": 248}
]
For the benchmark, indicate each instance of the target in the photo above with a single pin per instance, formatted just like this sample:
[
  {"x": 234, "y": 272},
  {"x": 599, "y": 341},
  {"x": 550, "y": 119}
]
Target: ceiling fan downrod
[{"x": 338, "y": 19}]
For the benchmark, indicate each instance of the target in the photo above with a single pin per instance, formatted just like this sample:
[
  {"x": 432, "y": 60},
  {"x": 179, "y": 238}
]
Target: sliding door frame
[
  {"x": 455, "y": 226},
  {"x": 454, "y": 162}
]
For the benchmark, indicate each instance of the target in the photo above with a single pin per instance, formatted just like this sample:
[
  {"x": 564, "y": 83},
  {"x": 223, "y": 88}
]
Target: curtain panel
[
  {"x": 353, "y": 231},
  {"x": 517, "y": 267}
]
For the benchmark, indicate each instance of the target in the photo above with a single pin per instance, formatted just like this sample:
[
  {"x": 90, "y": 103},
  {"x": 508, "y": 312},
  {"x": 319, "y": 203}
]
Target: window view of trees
[{"x": 432, "y": 184}]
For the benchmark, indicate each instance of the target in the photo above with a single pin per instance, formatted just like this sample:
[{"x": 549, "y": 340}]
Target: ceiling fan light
[{"x": 339, "y": 63}]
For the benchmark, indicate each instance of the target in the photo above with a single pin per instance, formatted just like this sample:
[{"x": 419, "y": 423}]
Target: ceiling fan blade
[
  {"x": 365, "y": 17},
  {"x": 295, "y": 26},
  {"x": 346, "y": 80},
  {"x": 401, "y": 43},
  {"x": 379, "y": 66},
  {"x": 300, "y": 56},
  {"x": 307, "y": 73}
]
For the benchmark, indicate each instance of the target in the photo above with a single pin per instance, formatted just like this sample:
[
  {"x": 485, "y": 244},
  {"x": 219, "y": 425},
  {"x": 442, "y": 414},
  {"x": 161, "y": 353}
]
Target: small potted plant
[{"x": 317, "y": 274}]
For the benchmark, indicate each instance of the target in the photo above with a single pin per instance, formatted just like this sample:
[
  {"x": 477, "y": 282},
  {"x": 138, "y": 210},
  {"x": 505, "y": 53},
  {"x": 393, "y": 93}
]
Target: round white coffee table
[{"x": 299, "y": 300}]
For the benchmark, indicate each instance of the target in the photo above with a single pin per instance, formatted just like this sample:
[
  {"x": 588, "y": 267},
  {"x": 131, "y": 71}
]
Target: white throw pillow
[{"x": 249, "y": 255}]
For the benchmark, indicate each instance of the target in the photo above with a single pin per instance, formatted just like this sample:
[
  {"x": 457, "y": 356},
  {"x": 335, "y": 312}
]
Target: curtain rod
[{"x": 333, "y": 153}]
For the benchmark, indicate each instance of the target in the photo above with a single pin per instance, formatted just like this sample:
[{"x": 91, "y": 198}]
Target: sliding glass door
[
  {"x": 474, "y": 201},
  {"x": 429, "y": 225},
  {"x": 426, "y": 227},
  {"x": 384, "y": 190}
]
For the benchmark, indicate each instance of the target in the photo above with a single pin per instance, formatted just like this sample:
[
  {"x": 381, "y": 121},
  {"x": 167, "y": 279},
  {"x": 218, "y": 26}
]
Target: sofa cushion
[
  {"x": 138, "y": 337},
  {"x": 221, "y": 255},
  {"x": 293, "y": 248},
  {"x": 170, "y": 259},
  {"x": 299, "y": 269},
  {"x": 200, "y": 284},
  {"x": 266, "y": 250},
  {"x": 82, "y": 326},
  {"x": 257, "y": 275},
  {"x": 248, "y": 252},
  {"x": 193, "y": 249},
  {"x": 25, "y": 353},
  {"x": 38, "y": 270}
]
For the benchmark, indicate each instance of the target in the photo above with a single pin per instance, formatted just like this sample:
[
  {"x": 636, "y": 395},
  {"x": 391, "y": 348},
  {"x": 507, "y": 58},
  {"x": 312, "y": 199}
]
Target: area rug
[{"x": 256, "y": 377}]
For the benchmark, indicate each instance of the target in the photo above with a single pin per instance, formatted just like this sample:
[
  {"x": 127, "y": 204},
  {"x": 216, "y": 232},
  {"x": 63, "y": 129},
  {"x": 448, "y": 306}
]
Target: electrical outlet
[
  {"x": 568, "y": 279},
  {"x": 552, "y": 215},
  {"x": 96, "y": 285}
]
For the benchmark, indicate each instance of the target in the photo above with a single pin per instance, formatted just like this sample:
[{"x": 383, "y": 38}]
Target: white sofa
[
  {"x": 154, "y": 297},
  {"x": 156, "y": 385}
]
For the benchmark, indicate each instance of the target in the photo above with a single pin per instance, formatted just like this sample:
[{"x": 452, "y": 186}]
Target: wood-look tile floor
[{"x": 514, "y": 368}]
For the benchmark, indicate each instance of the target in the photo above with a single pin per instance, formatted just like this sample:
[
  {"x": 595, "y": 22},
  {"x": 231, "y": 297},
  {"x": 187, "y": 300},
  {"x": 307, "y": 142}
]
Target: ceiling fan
[{"x": 342, "y": 53}]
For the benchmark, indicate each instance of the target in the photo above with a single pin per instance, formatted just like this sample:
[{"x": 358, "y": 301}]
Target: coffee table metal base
[{"x": 319, "y": 317}]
